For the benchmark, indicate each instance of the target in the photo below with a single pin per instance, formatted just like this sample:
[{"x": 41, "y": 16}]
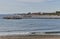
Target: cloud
[{"x": 32, "y": 0}]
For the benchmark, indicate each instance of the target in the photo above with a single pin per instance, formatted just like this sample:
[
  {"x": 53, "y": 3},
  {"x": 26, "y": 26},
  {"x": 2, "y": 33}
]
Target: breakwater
[{"x": 32, "y": 17}]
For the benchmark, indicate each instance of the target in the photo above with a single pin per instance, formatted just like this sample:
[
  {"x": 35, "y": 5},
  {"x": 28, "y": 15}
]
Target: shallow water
[{"x": 29, "y": 25}]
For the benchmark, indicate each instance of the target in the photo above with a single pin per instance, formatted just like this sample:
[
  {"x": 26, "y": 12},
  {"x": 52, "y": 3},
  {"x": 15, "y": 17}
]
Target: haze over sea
[{"x": 11, "y": 26}]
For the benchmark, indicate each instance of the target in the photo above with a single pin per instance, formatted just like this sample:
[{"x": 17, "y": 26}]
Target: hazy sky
[{"x": 20, "y": 6}]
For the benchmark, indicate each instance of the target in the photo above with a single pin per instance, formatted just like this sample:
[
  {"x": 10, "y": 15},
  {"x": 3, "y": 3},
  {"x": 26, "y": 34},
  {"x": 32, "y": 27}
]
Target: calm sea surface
[{"x": 29, "y": 25}]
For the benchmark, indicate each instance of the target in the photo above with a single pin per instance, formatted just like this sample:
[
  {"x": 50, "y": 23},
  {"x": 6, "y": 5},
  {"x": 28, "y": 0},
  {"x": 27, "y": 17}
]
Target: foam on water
[
  {"x": 14, "y": 33},
  {"x": 30, "y": 33}
]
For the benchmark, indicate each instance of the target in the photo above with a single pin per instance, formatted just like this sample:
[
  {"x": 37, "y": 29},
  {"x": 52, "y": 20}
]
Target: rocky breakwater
[
  {"x": 32, "y": 17},
  {"x": 12, "y": 17},
  {"x": 18, "y": 17}
]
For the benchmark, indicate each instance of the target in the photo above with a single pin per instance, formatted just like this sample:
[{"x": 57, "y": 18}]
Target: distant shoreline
[
  {"x": 33, "y": 17},
  {"x": 36, "y": 15}
]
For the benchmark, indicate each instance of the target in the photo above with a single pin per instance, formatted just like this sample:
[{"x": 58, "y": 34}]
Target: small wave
[
  {"x": 14, "y": 33},
  {"x": 28, "y": 33}
]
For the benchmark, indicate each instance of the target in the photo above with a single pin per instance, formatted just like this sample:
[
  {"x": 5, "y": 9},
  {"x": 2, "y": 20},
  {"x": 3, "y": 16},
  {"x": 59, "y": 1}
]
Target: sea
[{"x": 27, "y": 26}]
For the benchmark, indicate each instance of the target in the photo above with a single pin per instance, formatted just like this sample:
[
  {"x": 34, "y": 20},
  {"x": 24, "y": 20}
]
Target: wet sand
[{"x": 31, "y": 37}]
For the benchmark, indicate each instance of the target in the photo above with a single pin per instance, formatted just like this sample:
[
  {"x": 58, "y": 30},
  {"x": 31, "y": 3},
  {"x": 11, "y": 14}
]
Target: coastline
[{"x": 33, "y": 17}]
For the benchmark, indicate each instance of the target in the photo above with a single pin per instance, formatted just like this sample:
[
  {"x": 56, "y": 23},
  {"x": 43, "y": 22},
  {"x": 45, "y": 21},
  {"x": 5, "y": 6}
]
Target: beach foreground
[{"x": 31, "y": 37}]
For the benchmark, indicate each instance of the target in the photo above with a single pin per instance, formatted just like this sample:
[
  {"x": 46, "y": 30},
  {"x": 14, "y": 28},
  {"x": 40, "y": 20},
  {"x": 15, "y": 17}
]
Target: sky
[{"x": 25, "y": 6}]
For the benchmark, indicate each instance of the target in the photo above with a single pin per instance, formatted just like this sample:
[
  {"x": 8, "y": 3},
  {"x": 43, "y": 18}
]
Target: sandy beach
[{"x": 31, "y": 37}]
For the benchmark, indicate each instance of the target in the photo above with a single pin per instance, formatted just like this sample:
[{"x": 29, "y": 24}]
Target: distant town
[{"x": 35, "y": 15}]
